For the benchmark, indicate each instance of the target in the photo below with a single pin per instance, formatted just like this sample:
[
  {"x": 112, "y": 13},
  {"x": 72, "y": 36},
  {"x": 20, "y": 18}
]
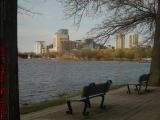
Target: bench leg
[
  {"x": 129, "y": 91},
  {"x": 146, "y": 87},
  {"x": 102, "y": 106},
  {"x": 69, "y": 107},
  {"x": 85, "y": 108},
  {"x": 139, "y": 89},
  {"x": 89, "y": 104}
]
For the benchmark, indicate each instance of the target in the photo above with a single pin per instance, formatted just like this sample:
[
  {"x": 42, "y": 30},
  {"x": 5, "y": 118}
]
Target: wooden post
[{"x": 9, "y": 95}]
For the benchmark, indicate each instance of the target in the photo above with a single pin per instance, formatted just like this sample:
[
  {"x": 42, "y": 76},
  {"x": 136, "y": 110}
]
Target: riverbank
[
  {"x": 119, "y": 106},
  {"x": 59, "y": 100},
  {"x": 143, "y": 60}
]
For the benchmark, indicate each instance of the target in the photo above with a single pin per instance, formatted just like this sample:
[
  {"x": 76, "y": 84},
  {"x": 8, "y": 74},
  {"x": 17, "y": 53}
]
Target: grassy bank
[{"x": 33, "y": 107}]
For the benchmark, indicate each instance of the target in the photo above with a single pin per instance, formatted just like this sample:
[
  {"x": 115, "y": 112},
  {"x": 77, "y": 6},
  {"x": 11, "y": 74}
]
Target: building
[
  {"x": 89, "y": 43},
  {"x": 39, "y": 47},
  {"x": 79, "y": 44},
  {"x": 67, "y": 45},
  {"x": 48, "y": 49},
  {"x": 133, "y": 40},
  {"x": 120, "y": 41},
  {"x": 60, "y": 38}
]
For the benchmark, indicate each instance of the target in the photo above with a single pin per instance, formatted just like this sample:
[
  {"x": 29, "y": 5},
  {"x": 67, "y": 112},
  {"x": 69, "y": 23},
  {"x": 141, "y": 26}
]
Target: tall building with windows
[
  {"x": 59, "y": 37},
  {"x": 133, "y": 40},
  {"x": 39, "y": 47},
  {"x": 61, "y": 41},
  {"x": 120, "y": 41}
]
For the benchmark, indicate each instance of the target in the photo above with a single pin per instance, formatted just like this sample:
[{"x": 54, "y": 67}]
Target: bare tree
[
  {"x": 122, "y": 16},
  {"x": 24, "y": 10}
]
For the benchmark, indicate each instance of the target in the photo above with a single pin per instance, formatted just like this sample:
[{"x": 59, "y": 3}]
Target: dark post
[{"x": 9, "y": 95}]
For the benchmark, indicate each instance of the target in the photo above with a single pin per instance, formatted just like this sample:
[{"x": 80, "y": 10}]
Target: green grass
[
  {"x": 113, "y": 87},
  {"x": 40, "y": 105},
  {"x": 61, "y": 99},
  {"x": 33, "y": 107}
]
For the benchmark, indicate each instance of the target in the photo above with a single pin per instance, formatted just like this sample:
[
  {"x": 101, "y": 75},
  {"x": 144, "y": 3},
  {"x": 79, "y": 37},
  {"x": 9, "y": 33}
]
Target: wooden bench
[
  {"x": 143, "y": 82},
  {"x": 90, "y": 91}
]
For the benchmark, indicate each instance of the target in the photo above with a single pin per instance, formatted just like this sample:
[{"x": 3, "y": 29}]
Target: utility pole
[{"x": 9, "y": 94}]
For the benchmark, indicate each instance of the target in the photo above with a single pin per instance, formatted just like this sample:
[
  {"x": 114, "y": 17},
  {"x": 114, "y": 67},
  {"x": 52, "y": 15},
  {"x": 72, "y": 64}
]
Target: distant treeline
[
  {"x": 97, "y": 54},
  {"x": 107, "y": 54},
  {"x": 27, "y": 54}
]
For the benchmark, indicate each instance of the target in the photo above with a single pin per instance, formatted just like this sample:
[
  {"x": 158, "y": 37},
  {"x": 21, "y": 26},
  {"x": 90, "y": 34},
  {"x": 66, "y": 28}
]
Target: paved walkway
[{"x": 120, "y": 106}]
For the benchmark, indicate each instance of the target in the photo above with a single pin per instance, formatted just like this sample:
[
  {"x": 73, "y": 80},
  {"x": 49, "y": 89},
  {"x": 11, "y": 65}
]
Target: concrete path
[{"x": 119, "y": 106}]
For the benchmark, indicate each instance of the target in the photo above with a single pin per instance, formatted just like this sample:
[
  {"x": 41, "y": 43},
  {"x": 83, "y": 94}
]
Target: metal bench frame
[
  {"x": 143, "y": 81},
  {"x": 89, "y": 92}
]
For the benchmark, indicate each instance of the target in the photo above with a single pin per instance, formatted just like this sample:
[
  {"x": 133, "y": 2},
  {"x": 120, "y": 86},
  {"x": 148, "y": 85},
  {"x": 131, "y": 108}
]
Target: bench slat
[
  {"x": 80, "y": 98},
  {"x": 76, "y": 98}
]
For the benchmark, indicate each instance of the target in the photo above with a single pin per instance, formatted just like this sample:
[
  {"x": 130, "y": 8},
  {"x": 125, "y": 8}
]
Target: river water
[{"x": 41, "y": 79}]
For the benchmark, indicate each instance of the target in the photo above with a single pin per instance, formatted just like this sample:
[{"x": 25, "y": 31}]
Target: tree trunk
[
  {"x": 9, "y": 95},
  {"x": 155, "y": 64}
]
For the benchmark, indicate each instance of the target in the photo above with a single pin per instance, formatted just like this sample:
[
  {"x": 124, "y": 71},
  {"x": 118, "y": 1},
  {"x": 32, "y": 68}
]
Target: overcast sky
[{"x": 34, "y": 27}]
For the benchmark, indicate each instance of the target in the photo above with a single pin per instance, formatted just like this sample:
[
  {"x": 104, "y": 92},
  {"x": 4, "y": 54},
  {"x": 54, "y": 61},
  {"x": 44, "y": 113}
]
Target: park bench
[
  {"x": 90, "y": 91},
  {"x": 142, "y": 82}
]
